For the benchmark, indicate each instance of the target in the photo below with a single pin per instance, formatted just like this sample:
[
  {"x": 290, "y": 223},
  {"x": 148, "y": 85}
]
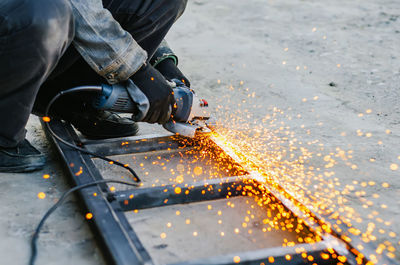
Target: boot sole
[{"x": 22, "y": 169}]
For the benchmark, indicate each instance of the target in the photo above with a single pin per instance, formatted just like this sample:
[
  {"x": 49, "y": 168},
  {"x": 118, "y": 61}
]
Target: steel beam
[
  {"x": 131, "y": 145},
  {"x": 120, "y": 242}
]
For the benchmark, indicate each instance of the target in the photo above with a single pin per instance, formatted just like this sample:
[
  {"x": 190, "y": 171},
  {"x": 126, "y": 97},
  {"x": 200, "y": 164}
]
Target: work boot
[
  {"x": 22, "y": 158},
  {"x": 98, "y": 124}
]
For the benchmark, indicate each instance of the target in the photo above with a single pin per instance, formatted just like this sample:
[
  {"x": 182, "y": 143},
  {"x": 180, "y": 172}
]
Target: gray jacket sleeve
[{"x": 103, "y": 43}]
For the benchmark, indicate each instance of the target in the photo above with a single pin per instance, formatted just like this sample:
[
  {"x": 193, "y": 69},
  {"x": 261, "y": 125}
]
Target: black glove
[
  {"x": 170, "y": 71},
  {"x": 158, "y": 92}
]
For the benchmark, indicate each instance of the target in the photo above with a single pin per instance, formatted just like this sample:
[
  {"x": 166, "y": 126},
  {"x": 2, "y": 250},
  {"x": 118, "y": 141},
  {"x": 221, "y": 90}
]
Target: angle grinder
[{"x": 189, "y": 115}]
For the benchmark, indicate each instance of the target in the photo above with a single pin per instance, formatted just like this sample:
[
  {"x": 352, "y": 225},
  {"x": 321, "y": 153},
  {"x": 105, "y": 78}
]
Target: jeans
[{"x": 37, "y": 60}]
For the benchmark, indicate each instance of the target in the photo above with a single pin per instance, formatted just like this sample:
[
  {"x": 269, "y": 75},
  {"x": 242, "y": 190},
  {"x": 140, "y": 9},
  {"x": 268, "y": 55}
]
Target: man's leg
[
  {"x": 148, "y": 21},
  {"x": 33, "y": 37}
]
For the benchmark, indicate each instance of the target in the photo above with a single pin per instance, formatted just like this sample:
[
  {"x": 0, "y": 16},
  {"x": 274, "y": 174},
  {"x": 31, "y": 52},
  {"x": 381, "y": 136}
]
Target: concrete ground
[{"x": 332, "y": 69}]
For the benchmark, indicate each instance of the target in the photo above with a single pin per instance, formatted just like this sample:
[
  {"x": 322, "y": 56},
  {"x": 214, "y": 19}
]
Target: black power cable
[
  {"x": 75, "y": 90},
  {"x": 35, "y": 235}
]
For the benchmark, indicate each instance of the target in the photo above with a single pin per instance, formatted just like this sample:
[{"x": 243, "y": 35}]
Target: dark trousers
[{"x": 35, "y": 67}]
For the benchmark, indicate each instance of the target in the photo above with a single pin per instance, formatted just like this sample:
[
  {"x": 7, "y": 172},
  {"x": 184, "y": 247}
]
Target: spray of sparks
[
  {"x": 276, "y": 166},
  {"x": 271, "y": 159},
  {"x": 303, "y": 170}
]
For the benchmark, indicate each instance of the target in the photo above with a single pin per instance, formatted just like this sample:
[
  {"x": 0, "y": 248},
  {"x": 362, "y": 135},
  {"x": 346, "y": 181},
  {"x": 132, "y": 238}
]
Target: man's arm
[
  {"x": 103, "y": 43},
  {"x": 166, "y": 62}
]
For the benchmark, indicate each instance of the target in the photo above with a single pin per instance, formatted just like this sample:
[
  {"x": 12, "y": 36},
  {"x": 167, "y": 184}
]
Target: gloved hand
[
  {"x": 170, "y": 71},
  {"x": 158, "y": 92}
]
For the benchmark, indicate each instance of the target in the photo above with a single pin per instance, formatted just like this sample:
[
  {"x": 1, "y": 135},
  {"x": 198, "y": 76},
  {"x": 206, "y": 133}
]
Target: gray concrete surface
[
  {"x": 66, "y": 238},
  {"x": 323, "y": 63}
]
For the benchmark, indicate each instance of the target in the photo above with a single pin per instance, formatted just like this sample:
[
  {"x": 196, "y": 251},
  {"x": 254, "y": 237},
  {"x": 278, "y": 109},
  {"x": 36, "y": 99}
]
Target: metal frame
[{"x": 121, "y": 244}]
